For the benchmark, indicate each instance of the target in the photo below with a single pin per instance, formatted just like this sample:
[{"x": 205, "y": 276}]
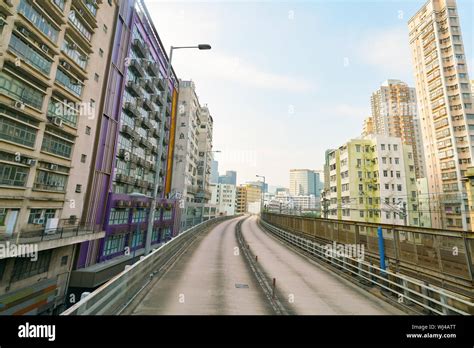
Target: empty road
[{"x": 213, "y": 277}]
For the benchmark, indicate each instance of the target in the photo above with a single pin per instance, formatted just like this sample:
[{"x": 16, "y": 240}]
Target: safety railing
[
  {"x": 114, "y": 296},
  {"x": 408, "y": 291}
]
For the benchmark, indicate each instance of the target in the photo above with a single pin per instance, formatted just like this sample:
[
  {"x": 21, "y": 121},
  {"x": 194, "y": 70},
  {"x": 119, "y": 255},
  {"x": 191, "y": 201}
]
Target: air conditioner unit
[
  {"x": 53, "y": 166},
  {"x": 39, "y": 221},
  {"x": 58, "y": 121},
  {"x": 65, "y": 65},
  {"x": 24, "y": 31},
  {"x": 19, "y": 105},
  {"x": 71, "y": 45},
  {"x": 44, "y": 48},
  {"x": 31, "y": 162}
]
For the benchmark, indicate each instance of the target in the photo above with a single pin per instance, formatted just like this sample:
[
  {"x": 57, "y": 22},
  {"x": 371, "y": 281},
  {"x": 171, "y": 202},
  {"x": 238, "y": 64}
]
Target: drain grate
[{"x": 241, "y": 286}]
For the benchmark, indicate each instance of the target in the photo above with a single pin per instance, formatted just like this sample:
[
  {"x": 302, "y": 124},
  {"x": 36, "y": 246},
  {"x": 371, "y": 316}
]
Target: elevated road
[{"x": 213, "y": 277}]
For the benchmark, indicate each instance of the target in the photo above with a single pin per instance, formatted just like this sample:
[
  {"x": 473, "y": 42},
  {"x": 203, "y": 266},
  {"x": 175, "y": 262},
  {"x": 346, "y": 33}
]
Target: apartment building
[
  {"x": 445, "y": 109},
  {"x": 185, "y": 165},
  {"x": 373, "y": 179},
  {"x": 248, "y": 198},
  {"x": 394, "y": 114},
  {"x": 224, "y": 197},
  {"x": 305, "y": 182},
  {"x": 52, "y": 65},
  {"x": 368, "y": 126},
  {"x": 132, "y": 153},
  {"x": 193, "y": 158},
  {"x": 205, "y": 155},
  {"x": 241, "y": 200}
]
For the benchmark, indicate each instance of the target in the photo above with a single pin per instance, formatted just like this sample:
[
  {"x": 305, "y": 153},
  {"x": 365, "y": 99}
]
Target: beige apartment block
[
  {"x": 53, "y": 57},
  {"x": 445, "y": 109},
  {"x": 368, "y": 126},
  {"x": 394, "y": 114}
]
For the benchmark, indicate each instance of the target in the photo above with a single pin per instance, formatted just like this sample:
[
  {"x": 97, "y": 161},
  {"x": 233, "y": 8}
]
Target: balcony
[
  {"x": 158, "y": 100},
  {"x": 153, "y": 69},
  {"x": 156, "y": 115},
  {"x": 137, "y": 68},
  {"x": 68, "y": 231},
  {"x": 148, "y": 105},
  {"x": 134, "y": 88},
  {"x": 167, "y": 125},
  {"x": 149, "y": 86},
  {"x": 140, "y": 48},
  {"x": 127, "y": 130},
  {"x": 155, "y": 133},
  {"x": 131, "y": 109},
  {"x": 147, "y": 123},
  {"x": 160, "y": 84}
]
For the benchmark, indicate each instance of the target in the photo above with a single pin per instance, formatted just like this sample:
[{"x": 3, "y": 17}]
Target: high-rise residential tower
[
  {"x": 445, "y": 109},
  {"x": 394, "y": 114}
]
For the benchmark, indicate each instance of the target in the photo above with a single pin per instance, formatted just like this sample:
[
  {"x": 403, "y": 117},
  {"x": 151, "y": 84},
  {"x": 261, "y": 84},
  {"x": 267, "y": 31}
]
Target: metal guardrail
[
  {"x": 40, "y": 234},
  {"x": 114, "y": 296},
  {"x": 411, "y": 291},
  {"x": 440, "y": 257}
]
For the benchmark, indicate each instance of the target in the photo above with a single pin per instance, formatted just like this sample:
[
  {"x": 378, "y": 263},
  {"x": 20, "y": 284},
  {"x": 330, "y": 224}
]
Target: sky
[{"x": 285, "y": 81}]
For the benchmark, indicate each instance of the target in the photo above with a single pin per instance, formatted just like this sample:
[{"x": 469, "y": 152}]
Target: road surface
[
  {"x": 208, "y": 279},
  {"x": 213, "y": 277},
  {"x": 303, "y": 285}
]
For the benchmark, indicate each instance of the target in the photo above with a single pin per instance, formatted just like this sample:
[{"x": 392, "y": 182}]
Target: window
[
  {"x": 139, "y": 215},
  {"x": 63, "y": 110},
  {"x": 395, "y": 147},
  {"x": 384, "y": 160},
  {"x": 29, "y": 54},
  {"x": 387, "y": 186},
  {"x": 50, "y": 181},
  {"x": 114, "y": 244},
  {"x": 118, "y": 216},
  {"x": 361, "y": 213},
  {"x": 26, "y": 268},
  {"x": 358, "y": 148},
  {"x": 88, "y": 130},
  {"x": 11, "y": 175},
  {"x": 38, "y": 20},
  {"x": 382, "y": 146},
  {"x": 64, "y": 260},
  {"x": 105, "y": 28},
  {"x": 385, "y": 173},
  {"x": 78, "y": 188},
  {"x": 398, "y": 175},
  {"x": 21, "y": 91},
  {"x": 96, "y": 77},
  {"x": 101, "y": 52},
  {"x": 399, "y": 187},
  {"x": 397, "y": 160},
  {"x": 56, "y": 145},
  {"x": 83, "y": 158}
]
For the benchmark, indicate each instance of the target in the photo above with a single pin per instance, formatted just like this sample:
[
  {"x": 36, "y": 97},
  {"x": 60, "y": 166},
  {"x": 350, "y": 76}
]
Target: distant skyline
[{"x": 285, "y": 81}]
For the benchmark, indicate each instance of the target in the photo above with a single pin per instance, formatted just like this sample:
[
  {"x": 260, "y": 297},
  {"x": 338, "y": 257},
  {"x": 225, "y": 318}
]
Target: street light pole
[
  {"x": 263, "y": 192},
  {"x": 151, "y": 216}
]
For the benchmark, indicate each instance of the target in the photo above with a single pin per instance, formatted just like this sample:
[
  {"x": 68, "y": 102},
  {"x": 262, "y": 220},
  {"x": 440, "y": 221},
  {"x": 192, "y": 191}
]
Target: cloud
[
  {"x": 387, "y": 50},
  {"x": 224, "y": 67}
]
